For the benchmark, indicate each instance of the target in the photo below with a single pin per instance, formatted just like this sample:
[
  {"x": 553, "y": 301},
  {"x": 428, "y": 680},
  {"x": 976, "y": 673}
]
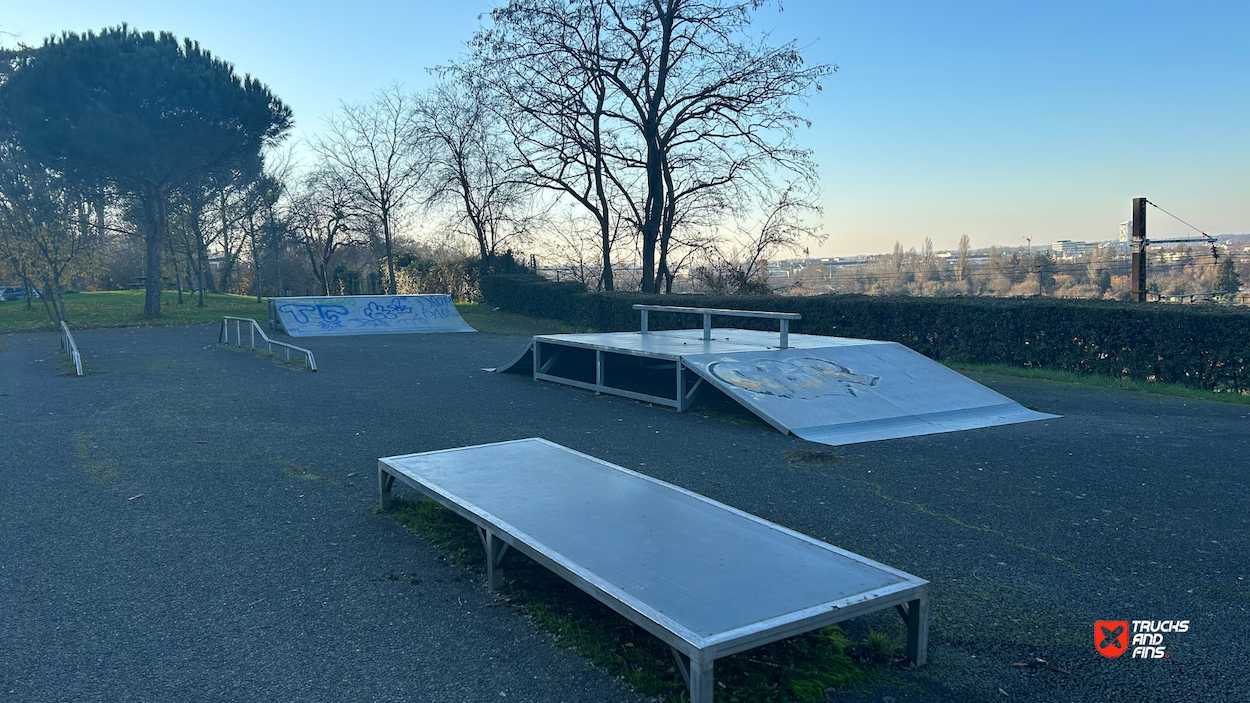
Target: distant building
[{"x": 1066, "y": 248}]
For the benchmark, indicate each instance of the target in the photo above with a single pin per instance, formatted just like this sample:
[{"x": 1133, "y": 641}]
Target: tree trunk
[
  {"x": 651, "y": 222},
  {"x": 173, "y": 257},
  {"x": 196, "y": 275},
  {"x": 255, "y": 263},
  {"x": 154, "y": 205},
  {"x": 48, "y": 307},
  {"x": 199, "y": 250},
  {"x": 656, "y": 194},
  {"x": 26, "y": 287},
  {"x": 390, "y": 253},
  {"x": 205, "y": 263},
  {"x": 605, "y": 223},
  {"x": 606, "y": 276}
]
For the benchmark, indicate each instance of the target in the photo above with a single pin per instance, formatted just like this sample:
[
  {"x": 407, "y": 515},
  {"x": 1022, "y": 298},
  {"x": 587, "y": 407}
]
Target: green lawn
[
  {"x": 1095, "y": 381},
  {"x": 124, "y": 308},
  {"x": 485, "y": 318}
]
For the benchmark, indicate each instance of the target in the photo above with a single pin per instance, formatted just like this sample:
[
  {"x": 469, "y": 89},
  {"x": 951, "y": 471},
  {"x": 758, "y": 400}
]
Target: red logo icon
[{"x": 1111, "y": 637}]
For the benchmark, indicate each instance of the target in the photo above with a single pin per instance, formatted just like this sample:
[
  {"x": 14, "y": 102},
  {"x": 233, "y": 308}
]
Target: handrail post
[
  {"x": 252, "y": 329},
  {"x": 644, "y": 321},
  {"x": 785, "y": 334},
  {"x": 707, "y": 327}
]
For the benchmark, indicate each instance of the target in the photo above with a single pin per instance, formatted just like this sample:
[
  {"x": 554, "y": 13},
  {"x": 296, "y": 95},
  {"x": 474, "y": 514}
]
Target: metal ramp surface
[
  {"x": 706, "y": 579},
  {"x": 830, "y": 390},
  {"x": 366, "y": 314}
]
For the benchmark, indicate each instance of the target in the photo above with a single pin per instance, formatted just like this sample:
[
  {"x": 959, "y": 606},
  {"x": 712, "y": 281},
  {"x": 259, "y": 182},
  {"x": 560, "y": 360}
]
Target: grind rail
[
  {"x": 71, "y": 348},
  {"x": 709, "y": 313},
  {"x": 309, "y": 362}
]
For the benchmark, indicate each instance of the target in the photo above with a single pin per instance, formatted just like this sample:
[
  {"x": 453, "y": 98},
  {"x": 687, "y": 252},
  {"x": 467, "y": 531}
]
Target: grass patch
[
  {"x": 124, "y": 308},
  {"x": 485, "y": 318},
  {"x": 880, "y": 646},
  {"x": 1098, "y": 381},
  {"x": 294, "y": 470},
  {"x": 99, "y": 472},
  {"x": 797, "y": 669},
  {"x": 65, "y": 364}
]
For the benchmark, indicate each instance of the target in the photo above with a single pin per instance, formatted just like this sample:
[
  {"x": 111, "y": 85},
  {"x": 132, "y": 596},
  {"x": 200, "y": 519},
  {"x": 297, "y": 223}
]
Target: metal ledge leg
[
  {"x": 700, "y": 679},
  {"x": 385, "y": 481},
  {"x": 495, "y": 549},
  {"x": 681, "y": 387},
  {"x": 916, "y": 617},
  {"x": 697, "y": 673}
]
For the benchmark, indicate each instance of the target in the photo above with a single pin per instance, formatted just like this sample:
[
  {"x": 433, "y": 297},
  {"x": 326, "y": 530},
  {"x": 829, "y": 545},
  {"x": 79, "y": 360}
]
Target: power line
[{"x": 1205, "y": 236}]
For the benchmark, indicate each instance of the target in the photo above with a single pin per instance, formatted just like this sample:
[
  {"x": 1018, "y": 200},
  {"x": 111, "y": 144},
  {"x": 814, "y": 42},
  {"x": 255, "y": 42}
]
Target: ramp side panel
[
  {"x": 524, "y": 363},
  {"x": 369, "y": 314},
  {"x": 856, "y": 393}
]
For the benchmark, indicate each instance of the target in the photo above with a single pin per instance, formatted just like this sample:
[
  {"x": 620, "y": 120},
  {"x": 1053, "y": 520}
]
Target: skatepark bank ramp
[
  {"x": 366, "y": 314},
  {"x": 830, "y": 390}
]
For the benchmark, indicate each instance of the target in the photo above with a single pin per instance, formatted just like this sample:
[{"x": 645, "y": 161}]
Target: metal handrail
[
  {"x": 68, "y": 345},
  {"x": 708, "y": 313},
  {"x": 224, "y": 338}
]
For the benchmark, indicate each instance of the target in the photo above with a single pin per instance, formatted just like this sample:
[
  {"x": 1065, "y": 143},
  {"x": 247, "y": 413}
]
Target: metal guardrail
[
  {"x": 224, "y": 338},
  {"x": 69, "y": 346},
  {"x": 709, "y": 313}
]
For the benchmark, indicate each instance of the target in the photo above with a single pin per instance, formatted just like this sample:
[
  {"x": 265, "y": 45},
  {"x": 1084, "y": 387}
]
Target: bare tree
[
  {"x": 230, "y": 196},
  {"x": 471, "y": 169},
  {"x": 705, "y": 101},
  {"x": 961, "y": 259},
  {"x": 43, "y": 234},
  {"x": 741, "y": 264},
  {"x": 376, "y": 147},
  {"x": 324, "y": 221},
  {"x": 545, "y": 59},
  {"x": 667, "y": 101}
]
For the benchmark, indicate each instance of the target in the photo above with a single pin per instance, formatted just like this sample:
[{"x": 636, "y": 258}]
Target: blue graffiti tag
[
  {"x": 390, "y": 311},
  {"x": 297, "y": 311},
  {"x": 434, "y": 309}
]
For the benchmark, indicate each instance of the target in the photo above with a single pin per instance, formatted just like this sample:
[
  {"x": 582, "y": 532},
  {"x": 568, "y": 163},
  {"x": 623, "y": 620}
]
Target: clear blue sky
[{"x": 996, "y": 119}]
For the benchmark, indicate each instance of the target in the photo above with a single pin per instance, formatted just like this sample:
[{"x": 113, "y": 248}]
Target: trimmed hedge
[{"x": 1204, "y": 347}]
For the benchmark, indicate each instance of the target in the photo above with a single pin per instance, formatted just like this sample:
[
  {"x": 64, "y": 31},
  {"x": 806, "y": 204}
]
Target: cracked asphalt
[{"x": 193, "y": 522}]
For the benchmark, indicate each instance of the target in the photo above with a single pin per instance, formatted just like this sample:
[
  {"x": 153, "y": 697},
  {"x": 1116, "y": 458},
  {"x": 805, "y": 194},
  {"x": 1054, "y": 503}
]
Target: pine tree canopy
[{"x": 139, "y": 109}]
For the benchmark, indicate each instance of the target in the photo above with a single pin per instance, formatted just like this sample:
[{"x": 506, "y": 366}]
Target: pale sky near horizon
[{"x": 998, "y": 120}]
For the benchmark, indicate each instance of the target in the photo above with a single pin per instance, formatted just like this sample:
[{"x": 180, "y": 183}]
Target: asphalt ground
[{"x": 196, "y": 523}]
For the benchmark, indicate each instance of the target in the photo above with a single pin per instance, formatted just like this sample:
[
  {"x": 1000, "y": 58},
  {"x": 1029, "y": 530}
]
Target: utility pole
[{"x": 1137, "y": 280}]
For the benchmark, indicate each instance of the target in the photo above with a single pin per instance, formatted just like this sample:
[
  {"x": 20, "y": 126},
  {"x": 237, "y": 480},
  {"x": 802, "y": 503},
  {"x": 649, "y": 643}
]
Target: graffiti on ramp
[
  {"x": 368, "y": 314},
  {"x": 802, "y": 377}
]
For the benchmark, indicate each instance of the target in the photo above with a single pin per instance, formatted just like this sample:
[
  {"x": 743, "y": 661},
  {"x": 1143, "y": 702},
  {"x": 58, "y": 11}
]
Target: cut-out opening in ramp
[{"x": 831, "y": 390}]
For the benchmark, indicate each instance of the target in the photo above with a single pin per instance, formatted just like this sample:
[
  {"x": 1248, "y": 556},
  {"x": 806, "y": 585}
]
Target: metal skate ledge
[{"x": 707, "y": 579}]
